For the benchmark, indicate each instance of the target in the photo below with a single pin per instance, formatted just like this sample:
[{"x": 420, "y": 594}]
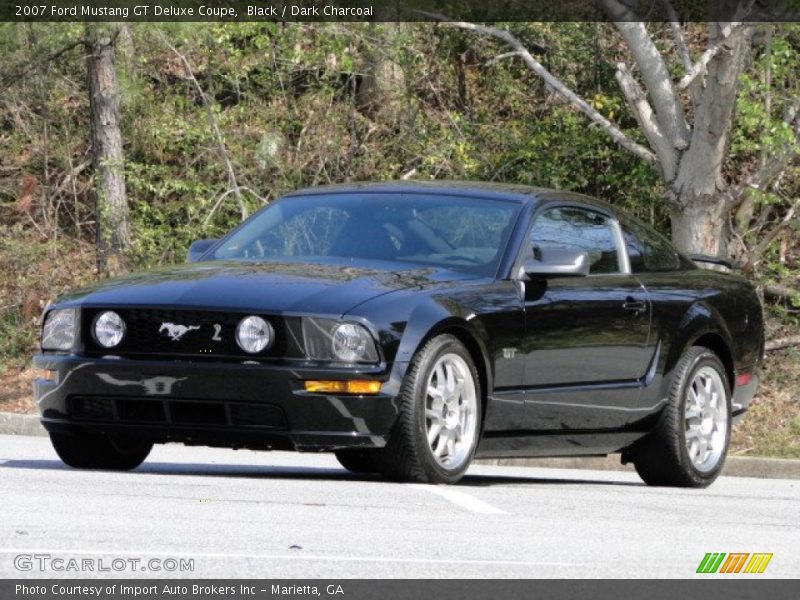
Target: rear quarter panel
[{"x": 688, "y": 305}]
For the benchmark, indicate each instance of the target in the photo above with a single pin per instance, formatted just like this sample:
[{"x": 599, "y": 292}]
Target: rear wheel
[
  {"x": 357, "y": 461},
  {"x": 689, "y": 446},
  {"x": 97, "y": 451},
  {"x": 440, "y": 416}
]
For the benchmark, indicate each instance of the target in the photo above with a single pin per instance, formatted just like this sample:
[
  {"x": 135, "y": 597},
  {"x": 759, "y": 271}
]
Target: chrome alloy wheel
[
  {"x": 705, "y": 419},
  {"x": 451, "y": 411}
]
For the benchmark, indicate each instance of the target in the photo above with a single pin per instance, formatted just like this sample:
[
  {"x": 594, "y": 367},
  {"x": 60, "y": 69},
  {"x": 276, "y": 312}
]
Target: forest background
[{"x": 120, "y": 144}]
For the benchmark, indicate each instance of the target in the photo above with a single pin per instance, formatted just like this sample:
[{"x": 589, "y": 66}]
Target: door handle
[{"x": 634, "y": 306}]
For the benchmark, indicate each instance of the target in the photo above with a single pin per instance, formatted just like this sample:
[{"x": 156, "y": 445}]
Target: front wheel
[
  {"x": 95, "y": 451},
  {"x": 440, "y": 416},
  {"x": 690, "y": 443}
]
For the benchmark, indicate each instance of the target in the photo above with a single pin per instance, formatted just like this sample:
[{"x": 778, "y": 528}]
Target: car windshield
[{"x": 464, "y": 234}]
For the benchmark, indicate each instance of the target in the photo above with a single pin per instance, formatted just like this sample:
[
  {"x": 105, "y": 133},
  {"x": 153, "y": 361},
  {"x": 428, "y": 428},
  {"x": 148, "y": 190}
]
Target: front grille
[
  {"x": 93, "y": 409},
  {"x": 141, "y": 411},
  {"x": 208, "y": 334},
  {"x": 255, "y": 415},
  {"x": 198, "y": 413},
  {"x": 176, "y": 412}
]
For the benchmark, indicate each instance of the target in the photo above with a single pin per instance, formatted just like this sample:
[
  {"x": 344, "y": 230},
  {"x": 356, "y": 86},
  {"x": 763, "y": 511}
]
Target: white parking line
[{"x": 471, "y": 503}]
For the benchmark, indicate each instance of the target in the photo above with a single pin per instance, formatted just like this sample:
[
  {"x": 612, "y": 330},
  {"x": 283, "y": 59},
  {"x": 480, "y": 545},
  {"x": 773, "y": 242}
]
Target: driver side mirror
[
  {"x": 198, "y": 248},
  {"x": 558, "y": 262}
]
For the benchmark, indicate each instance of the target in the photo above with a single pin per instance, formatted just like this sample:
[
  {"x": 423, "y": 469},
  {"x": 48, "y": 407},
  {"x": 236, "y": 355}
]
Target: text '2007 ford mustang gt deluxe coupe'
[{"x": 409, "y": 327}]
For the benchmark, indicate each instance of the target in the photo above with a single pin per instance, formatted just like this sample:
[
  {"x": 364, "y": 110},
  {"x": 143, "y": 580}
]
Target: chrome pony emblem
[{"x": 176, "y": 332}]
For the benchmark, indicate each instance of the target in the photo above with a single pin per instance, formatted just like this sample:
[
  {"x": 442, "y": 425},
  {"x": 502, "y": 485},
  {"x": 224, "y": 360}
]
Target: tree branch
[
  {"x": 755, "y": 254},
  {"x": 677, "y": 34},
  {"x": 699, "y": 67},
  {"x": 696, "y": 88},
  {"x": 769, "y": 170},
  {"x": 503, "y": 56},
  {"x": 647, "y": 121},
  {"x": 658, "y": 83},
  {"x": 70, "y": 177},
  {"x": 224, "y": 195},
  {"x": 30, "y": 66},
  {"x": 233, "y": 185},
  {"x": 780, "y": 343},
  {"x": 780, "y": 292},
  {"x": 555, "y": 84}
]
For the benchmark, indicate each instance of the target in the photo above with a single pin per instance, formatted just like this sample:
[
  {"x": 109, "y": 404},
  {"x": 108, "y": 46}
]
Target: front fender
[
  {"x": 431, "y": 319},
  {"x": 408, "y": 319},
  {"x": 486, "y": 315}
]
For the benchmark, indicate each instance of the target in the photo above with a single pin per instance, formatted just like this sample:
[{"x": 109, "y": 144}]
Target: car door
[{"x": 586, "y": 338}]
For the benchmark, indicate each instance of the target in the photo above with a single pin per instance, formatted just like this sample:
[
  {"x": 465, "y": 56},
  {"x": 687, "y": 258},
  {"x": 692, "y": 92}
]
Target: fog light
[
  {"x": 254, "y": 334},
  {"x": 344, "y": 387},
  {"x": 109, "y": 329}
]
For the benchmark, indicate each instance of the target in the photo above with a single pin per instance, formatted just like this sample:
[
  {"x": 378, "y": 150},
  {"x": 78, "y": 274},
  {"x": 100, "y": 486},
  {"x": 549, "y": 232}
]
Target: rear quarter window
[{"x": 648, "y": 251}]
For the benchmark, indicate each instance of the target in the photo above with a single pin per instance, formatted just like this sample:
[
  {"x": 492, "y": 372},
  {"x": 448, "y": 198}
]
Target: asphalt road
[{"x": 276, "y": 515}]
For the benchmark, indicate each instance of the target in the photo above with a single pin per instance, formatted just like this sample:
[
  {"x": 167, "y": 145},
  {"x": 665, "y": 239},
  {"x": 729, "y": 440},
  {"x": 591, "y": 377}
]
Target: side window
[
  {"x": 570, "y": 227},
  {"x": 648, "y": 251}
]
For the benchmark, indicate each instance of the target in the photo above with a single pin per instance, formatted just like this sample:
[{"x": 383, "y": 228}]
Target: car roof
[{"x": 476, "y": 189}]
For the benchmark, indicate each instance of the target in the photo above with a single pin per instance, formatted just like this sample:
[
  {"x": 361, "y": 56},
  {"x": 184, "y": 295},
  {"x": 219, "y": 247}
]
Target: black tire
[
  {"x": 663, "y": 459},
  {"x": 357, "y": 461},
  {"x": 407, "y": 455},
  {"x": 95, "y": 451}
]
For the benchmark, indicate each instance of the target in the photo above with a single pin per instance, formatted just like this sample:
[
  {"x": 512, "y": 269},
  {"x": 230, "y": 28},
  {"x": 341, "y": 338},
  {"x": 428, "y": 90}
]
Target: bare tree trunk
[
  {"x": 700, "y": 227},
  {"x": 690, "y": 157},
  {"x": 111, "y": 203},
  {"x": 700, "y": 199}
]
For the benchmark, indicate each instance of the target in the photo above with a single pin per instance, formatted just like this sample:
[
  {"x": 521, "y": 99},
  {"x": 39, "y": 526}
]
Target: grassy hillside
[{"x": 282, "y": 106}]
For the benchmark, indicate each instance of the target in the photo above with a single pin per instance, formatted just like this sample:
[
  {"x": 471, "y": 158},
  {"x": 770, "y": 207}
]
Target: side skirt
[{"x": 534, "y": 444}]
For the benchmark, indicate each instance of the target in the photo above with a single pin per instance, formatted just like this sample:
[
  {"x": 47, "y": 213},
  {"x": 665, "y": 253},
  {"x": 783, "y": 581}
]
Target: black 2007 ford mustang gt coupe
[{"x": 409, "y": 327}]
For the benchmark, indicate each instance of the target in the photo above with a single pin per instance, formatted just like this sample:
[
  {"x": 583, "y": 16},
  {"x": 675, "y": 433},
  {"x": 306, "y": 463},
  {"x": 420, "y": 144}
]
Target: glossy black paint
[
  {"x": 569, "y": 366},
  {"x": 578, "y": 337}
]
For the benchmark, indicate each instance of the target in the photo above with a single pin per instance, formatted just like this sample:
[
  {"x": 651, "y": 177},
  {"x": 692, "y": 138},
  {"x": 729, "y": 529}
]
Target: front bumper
[{"x": 217, "y": 404}]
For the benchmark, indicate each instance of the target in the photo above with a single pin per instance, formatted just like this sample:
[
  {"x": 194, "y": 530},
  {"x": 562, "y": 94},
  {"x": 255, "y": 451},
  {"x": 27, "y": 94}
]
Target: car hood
[{"x": 266, "y": 287}]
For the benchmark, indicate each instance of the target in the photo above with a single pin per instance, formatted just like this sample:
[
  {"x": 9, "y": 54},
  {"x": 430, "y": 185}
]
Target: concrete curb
[
  {"x": 735, "y": 466},
  {"x": 16, "y": 424}
]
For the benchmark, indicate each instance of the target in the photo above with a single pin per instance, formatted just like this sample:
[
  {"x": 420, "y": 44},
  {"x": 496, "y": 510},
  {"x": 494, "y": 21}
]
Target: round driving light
[
  {"x": 350, "y": 342},
  {"x": 254, "y": 334},
  {"x": 109, "y": 329}
]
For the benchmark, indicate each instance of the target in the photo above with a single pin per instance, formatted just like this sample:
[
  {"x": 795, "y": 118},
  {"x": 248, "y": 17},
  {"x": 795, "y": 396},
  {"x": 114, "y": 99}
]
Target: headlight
[
  {"x": 254, "y": 334},
  {"x": 351, "y": 342},
  {"x": 58, "y": 332},
  {"x": 109, "y": 329},
  {"x": 327, "y": 339}
]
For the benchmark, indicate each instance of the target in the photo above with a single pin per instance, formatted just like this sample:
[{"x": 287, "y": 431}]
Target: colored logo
[{"x": 735, "y": 562}]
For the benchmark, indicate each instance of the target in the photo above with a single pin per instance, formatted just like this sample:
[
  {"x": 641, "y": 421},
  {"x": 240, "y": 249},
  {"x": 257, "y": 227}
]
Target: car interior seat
[{"x": 354, "y": 242}]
